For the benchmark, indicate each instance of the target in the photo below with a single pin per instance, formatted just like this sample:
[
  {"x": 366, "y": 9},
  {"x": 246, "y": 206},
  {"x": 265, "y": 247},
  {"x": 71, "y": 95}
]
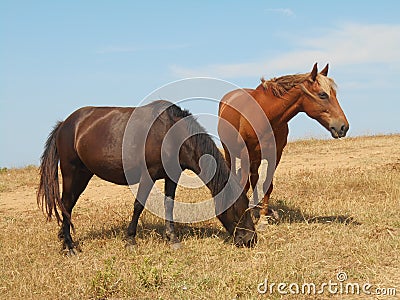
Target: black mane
[{"x": 201, "y": 143}]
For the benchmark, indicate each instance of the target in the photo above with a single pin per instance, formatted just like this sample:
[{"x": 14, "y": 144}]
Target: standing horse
[
  {"x": 90, "y": 142},
  {"x": 279, "y": 100}
]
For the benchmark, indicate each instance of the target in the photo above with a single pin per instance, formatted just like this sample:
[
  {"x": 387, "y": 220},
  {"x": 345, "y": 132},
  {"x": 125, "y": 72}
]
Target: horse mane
[
  {"x": 201, "y": 143},
  {"x": 279, "y": 86}
]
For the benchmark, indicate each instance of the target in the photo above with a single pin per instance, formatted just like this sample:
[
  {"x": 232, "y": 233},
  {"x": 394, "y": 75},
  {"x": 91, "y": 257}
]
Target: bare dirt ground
[
  {"x": 343, "y": 153},
  {"x": 307, "y": 155}
]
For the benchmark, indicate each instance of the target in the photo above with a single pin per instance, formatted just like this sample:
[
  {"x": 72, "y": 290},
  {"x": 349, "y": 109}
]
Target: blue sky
[{"x": 56, "y": 56}]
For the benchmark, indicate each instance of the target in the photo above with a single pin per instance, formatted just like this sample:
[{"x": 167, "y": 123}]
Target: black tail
[{"x": 48, "y": 195}]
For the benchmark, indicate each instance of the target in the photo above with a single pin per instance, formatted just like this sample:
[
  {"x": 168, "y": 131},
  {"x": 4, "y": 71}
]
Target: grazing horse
[
  {"x": 90, "y": 142},
  {"x": 279, "y": 100}
]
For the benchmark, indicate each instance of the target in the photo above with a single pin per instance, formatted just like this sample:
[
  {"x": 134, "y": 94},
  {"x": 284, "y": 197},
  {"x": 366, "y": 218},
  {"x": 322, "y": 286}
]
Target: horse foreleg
[
  {"x": 170, "y": 188},
  {"x": 145, "y": 186}
]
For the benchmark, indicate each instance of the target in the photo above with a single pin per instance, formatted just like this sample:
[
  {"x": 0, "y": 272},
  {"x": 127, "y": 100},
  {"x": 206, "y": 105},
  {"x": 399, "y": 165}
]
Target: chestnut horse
[
  {"x": 279, "y": 99},
  {"x": 90, "y": 142}
]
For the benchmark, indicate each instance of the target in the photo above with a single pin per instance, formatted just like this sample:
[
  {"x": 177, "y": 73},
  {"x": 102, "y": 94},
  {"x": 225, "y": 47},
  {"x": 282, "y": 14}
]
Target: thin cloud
[
  {"x": 130, "y": 49},
  {"x": 283, "y": 11},
  {"x": 347, "y": 44},
  {"x": 114, "y": 49}
]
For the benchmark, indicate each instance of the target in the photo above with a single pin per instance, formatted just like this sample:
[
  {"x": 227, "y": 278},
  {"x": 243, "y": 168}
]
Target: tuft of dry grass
[
  {"x": 10, "y": 179},
  {"x": 340, "y": 207}
]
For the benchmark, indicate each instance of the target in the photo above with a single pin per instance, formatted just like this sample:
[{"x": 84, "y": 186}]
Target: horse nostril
[{"x": 343, "y": 130}]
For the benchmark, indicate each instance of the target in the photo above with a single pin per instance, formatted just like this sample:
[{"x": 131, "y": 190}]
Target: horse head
[
  {"x": 244, "y": 233},
  {"x": 237, "y": 218},
  {"x": 320, "y": 103}
]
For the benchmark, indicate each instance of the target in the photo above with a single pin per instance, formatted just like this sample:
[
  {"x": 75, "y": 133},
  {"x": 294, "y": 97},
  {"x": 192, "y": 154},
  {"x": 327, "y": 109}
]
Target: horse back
[
  {"x": 110, "y": 141},
  {"x": 92, "y": 137}
]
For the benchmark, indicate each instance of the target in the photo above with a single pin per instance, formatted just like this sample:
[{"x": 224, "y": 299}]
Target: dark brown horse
[
  {"x": 279, "y": 100},
  {"x": 91, "y": 141}
]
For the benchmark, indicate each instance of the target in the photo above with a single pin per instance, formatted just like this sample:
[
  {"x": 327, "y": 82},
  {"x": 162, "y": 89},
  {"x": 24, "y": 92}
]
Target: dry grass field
[{"x": 339, "y": 202}]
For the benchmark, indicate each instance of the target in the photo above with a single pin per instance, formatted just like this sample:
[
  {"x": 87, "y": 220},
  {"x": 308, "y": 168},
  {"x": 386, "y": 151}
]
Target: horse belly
[{"x": 105, "y": 161}]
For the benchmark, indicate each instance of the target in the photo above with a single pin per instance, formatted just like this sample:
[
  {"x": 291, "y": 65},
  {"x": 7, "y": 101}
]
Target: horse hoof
[
  {"x": 273, "y": 214},
  {"x": 130, "y": 245},
  {"x": 176, "y": 246},
  {"x": 70, "y": 252},
  {"x": 262, "y": 225},
  {"x": 256, "y": 216}
]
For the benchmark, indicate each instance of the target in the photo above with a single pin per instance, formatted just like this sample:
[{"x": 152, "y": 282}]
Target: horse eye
[{"x": 323, "y": 95}]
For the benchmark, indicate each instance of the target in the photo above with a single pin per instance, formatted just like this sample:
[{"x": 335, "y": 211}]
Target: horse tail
[{"x": 48, "y": 195}]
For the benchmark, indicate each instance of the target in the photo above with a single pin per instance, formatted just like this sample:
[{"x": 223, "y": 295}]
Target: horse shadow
[
  {"x": 289, "y": 214},
  {"x": 156, "y": 230}
]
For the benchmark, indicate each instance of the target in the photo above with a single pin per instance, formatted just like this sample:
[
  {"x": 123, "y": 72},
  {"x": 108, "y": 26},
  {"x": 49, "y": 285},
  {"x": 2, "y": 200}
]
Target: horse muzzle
[
  {"x": 249, "y": 239},
  {"x": 338, "y": 130}
]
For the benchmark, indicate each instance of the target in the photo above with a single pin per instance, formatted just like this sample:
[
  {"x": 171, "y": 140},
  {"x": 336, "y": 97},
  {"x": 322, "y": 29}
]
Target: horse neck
[
  {"x": 219, "y": 179},
  {"x": 223, "y": 188},
  {"x": 226, "y": 190},
  {"x": 280, "y": 110}
]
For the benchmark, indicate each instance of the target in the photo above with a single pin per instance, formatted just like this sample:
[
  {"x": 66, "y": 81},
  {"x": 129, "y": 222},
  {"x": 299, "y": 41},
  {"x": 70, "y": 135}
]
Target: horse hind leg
[
  {"x": 280, "y": 140},
  {"x": 266, "y": 210},
  {"x": 75, "y": 180},
  {"x": 244, "y": 170},
  {"x": 268, "y": 184},
  {"x": 228, "y": 158},
  {"x": 254, "y": 177}
]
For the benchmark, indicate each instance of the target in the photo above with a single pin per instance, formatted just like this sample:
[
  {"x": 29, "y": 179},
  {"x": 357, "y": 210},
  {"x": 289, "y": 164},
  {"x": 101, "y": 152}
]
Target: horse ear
[
  {"x": 325, "y": 70},
  {"x": 314, "y": 72}
]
